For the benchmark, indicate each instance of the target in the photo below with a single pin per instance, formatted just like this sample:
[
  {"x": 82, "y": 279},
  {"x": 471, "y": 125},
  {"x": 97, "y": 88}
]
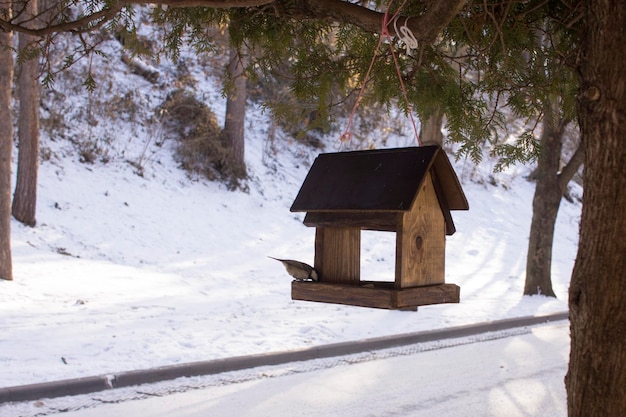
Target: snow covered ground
[
  {"x": 128, "y": 272},
  {"x": 513, "y": 373},
  {"x": 124, "y": 272}
]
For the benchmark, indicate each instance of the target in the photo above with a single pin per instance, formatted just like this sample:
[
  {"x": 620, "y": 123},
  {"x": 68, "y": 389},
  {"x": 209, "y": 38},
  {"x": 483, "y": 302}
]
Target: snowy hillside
[{"x": 126, "y": 271}]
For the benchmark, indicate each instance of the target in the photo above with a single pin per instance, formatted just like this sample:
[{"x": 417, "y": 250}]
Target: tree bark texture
[
  {"x": 25, "y": 196},
  {"x": 546, "y": 202},
  {"x": 6, "y": 150},
  {"x": 236, "y": 114},
  {"x": 596, "y": 378}
]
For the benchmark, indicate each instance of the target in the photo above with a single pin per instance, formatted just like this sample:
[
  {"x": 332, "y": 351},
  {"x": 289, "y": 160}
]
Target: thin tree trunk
[
  {"x": 6, "y": 150},
  {"x": 546, "y": 202},
  {"x": 25, "y": 197},
  {"x": 596, "y": 378},
  {"x": 236, "y": 114},
  {"x": 431, "y": 133}
]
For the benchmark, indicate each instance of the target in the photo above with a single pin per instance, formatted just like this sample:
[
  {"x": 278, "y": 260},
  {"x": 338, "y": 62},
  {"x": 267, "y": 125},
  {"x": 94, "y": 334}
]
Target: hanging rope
[
  {"x": 410, "y": 41},
  {"x": 347, "y": 135},
  {"x": 395, "y": 61}
]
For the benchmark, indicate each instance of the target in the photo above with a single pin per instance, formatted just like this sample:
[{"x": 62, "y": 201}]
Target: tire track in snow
[{"x": 87, "y": 392}]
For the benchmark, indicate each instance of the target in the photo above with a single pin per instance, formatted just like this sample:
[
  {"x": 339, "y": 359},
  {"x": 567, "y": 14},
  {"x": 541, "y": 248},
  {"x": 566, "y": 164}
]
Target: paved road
[{"x": 520, "y": 375}]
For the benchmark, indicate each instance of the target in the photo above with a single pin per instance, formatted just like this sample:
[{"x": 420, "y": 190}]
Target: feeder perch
[{"x": 409, "y": 191}]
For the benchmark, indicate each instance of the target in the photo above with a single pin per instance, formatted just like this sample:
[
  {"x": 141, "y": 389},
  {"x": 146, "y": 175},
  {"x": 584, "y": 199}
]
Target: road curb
[{"x": 76, "y": 386}]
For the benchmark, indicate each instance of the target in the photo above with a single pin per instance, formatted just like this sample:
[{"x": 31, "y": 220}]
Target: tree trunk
[
  {"x": 236, "y": 114},
  {"x": 25, "y": 197},
  {"x": 546, "y": 202},
  {"x": 6, "y": 151},
  {"x": 431, "y": 133},
  {"x": 596, "y": 379}
]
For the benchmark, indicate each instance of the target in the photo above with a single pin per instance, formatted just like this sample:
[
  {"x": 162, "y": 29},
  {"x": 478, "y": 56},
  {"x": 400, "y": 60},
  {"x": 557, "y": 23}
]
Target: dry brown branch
[
  {"x": 426, "y": 27},
  {"x": 83, "y": 24}
]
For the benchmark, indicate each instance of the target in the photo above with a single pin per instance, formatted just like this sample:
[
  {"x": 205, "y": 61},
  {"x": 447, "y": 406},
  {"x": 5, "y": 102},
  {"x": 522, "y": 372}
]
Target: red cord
[{"x": 347, "y": 135}]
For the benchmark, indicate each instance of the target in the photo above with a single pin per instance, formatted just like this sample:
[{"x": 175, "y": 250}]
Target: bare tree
[
  {"x": 551, "y": 181},
  {"x": 234, "y": 124},
  {"x": 6, "y": 151},
  {"x": 25, "y": 197},
  {"x": 551, "y": 185}
]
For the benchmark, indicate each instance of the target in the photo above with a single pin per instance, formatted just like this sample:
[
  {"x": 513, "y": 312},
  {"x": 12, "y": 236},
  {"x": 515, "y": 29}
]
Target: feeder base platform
[{"x": 375, "y": 294}]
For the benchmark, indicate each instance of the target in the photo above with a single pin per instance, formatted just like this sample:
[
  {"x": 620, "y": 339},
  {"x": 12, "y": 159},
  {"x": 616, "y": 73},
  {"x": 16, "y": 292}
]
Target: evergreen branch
[
  {"x": 494, "y": 113},
  {"x": 426, "y": 26},
  {"x": 497, "y": 25},
  {"x": 215, "y": 4},
  {"x": 82, "y": 24}
]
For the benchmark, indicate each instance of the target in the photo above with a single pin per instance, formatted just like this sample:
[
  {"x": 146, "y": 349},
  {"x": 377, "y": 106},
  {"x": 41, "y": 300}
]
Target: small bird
[{"x": 299, "y": 270}]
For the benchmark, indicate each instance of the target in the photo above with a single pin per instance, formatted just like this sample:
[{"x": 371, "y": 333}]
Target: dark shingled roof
[{"x": 385, "y": 179}]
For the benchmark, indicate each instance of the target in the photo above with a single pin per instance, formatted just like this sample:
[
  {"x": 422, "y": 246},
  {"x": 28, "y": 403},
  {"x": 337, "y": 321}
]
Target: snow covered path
[{"x": 514, "y": 376}]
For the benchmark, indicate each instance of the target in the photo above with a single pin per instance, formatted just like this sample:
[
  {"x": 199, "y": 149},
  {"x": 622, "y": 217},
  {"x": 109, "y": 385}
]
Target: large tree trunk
[
  {"x": 236, "y": 114},
  {"x": 6, "y": 150},
  {"x": 25, "y": 197},
  {"x": 596, "y": 379}
]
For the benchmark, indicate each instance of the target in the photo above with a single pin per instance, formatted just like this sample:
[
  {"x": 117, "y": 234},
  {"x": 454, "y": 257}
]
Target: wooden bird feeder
[{"x": 409, "y": 191}]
